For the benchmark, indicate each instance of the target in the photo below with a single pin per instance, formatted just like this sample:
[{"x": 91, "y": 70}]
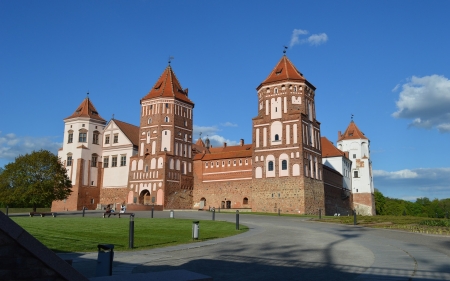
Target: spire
[
  {"x": 352, "y": 132},
  {"x": 86, "y": 109},
  {"x": 207, "y": 143},
  {"x": 284, "y": 71},
  {"x": 168, "y": 86}
]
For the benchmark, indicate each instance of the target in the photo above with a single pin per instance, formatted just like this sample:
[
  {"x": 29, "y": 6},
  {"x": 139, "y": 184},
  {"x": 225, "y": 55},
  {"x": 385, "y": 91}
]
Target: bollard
[
  {"x": 237, "y": 219},
  {"x": 354, "y": 217},
  {"x": 195, "y": 230},
  {"x": 172, "y": 215},
  {"x": 104, "y": 260},
  {"x": 8, "y": 210},
  {"x": 214, "y": 214},
  {"x": 153, "y": 208},
  {"x": 278, "y": 211},
  {"x": 320, "y": 214},
  {"x": 131, "y": 234},
  {"x": 83, "y": 210}
]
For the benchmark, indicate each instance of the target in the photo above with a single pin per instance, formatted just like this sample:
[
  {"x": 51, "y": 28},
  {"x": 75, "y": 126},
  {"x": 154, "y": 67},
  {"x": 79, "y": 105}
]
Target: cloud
[
  {"x": 396, "y": 88},
  {"x": 414, "y": 183},
  {"x": 228, "y": 124},
  {"x": 425, "y": 101},
  {"x": 12, "y": 146},
  {"x": 211, "y": 132},
  {"x": 313, "y": 40}
]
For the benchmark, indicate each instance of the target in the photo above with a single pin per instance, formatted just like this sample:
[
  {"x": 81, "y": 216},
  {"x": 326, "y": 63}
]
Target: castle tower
[
  {"x": 287, "y": 162},
  {"x": 81, "y": 155},
  {"x": 161, "y": 172},
  {"x": 357, "y": 145}
]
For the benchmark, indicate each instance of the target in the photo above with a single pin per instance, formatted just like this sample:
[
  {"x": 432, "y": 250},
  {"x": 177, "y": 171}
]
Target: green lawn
[{"x": 84, "y": 234}]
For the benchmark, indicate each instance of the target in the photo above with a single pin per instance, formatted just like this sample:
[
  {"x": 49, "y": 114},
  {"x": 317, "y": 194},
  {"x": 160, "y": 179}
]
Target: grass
[
  {"x": 84, "y": 234},
  {"x": 24, "y": 210},
  {"x": 406, "y": 223}
]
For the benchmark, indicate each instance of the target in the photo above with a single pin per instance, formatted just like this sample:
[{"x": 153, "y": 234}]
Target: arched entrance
[
  {"x": 144, "y": 197},
  {"x": 202, "y": 202}
]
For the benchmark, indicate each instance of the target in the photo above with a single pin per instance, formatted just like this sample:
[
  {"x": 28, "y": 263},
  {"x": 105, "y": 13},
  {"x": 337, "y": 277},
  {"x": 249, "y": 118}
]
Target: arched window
[
  {"x": 70, "y": 137},
  {"x": 275, "y": 91},
  {"x": 149, "y": 121},
  {"x": 284, "y": 165},
  {"x": 94, "y": 160},
  {"x": 166, "y": 119},
  {"x": 69, "y": 159},
  {"x": 245, "y": 201},
  {"x": 95, "y": 137},
  {"x": 277, "y": 138},
  {"x": 270, "y": 166}
]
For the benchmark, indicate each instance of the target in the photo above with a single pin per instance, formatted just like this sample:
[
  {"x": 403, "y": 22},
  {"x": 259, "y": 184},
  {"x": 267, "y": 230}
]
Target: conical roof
[
  {"x": 86, "y": 109},
  {"x": 168, "y": 86},
  {"x": 352, "y": 133},
  {"x": 285, "y": 70},
  {"x": 200, "y": 142}
]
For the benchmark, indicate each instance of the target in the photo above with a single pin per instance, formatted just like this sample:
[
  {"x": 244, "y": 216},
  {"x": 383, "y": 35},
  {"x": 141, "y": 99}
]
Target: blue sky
[{"x": 385, "y": 62}]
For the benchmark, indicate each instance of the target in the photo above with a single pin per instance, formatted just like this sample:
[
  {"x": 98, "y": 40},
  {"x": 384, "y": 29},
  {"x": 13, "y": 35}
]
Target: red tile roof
[
  {"x": 351, "y": 133},
  {"x": 131, "y": 131},
  {"x": 168, "y": 86},
  {"x": 200, "y": 142},
  {"x": 86, "y": 109},
  {"x": 235, "y": 151},
  {"x": 328, "y": 149},
  {"x": 284, "y": 71}
]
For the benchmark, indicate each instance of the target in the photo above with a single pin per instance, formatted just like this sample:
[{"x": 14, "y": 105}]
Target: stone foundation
[{"x": 364, "y": 203}]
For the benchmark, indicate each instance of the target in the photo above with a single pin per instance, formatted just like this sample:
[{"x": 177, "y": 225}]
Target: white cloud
[
  {"x": 204, "y": 130},
  {"x": 396, "y": 88},
  {"x": 317, "y": 39},
  {"x": 314, "y": 39},
  {"x": 426, "y": 101},
  {"x": 211, "y": 132},
  {"x": 12, "y": 146},
  {"x": 218, "y": 141},
  {"x": 402, "y": 174},
  {"x": 228, "y": 124}
]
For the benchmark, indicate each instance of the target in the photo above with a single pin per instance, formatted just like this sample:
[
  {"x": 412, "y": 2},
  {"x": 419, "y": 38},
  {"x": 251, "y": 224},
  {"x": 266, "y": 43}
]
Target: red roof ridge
[{"x": 86, "y": 109}]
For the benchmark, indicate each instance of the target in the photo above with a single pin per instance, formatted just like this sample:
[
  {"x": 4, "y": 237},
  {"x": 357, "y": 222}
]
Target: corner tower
[
  {"x": 161, "y": 173},
  {"x": 357, "y": 145},
  {"x": 81, "y": 155},
  {"x": 287, "y": 164}
]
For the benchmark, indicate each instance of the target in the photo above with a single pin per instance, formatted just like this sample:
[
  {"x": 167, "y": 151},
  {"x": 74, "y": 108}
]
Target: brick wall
[
  {"x": 113, "y": 196},
  {"x": 364, "y": 203}
]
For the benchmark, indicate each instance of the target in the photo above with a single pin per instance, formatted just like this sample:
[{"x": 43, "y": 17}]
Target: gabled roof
[
  {"x": 284, "y": 71},
  {"x": 200, "y": 142},
  {"x": 86, "y": 109},
  {"x": 130, "y": 131},
  {"x": 168, "y": 86},
  {"x": 228, "y": 152},
  {"x": 352, "y": 133},
  {"x": 329, "y": 150}
]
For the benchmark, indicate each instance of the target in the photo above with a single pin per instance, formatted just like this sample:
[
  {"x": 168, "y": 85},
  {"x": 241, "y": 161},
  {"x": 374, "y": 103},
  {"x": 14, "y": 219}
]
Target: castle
[{"x": 288, "y": 167}]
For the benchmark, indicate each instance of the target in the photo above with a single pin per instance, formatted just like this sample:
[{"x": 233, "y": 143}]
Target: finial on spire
[
  {"x": 113, "y": 116},
  {"x": 284, "y": 51},
  {"x": 87, "y": 94},
  {"x": 200, "y": 134},
  {"x": 352, "y": 117},
  {"x": 170, "y": 59}
]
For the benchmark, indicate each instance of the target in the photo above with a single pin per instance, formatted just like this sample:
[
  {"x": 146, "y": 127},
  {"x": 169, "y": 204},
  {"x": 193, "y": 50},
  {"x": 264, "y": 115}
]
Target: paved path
[{"x": 287, "y": 248}]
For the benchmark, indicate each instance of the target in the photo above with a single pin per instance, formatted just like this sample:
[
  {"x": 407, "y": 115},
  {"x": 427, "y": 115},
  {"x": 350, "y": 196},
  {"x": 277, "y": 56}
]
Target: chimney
[
  {"x": 224, "y": 144},
  {"x": 339, "y": 134},
  {"x": 242, "y": 142}
]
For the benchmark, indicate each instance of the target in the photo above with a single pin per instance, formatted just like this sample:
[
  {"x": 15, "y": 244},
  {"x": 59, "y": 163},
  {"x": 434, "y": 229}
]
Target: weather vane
[
  {"x": 352, "y": 117},
  {"x": 200, "y": 134},
  {"x": 285, "y": 48},
  {"x": 87, "y": 94},
  {"x": 170, "y": 59},
  {"x": 113, "y": 116}
]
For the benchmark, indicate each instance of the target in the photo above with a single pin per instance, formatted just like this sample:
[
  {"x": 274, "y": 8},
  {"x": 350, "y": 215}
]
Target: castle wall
[{"x": 364, "y": 204}]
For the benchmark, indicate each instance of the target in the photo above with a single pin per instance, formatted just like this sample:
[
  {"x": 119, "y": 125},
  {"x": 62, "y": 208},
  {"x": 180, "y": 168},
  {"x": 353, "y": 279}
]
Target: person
[{"x": 108, "y": 210}]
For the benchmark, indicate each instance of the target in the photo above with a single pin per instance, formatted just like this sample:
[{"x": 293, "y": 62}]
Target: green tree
[
  {"x": 34, "y": 179},
  {"x": 380, "y": 202}
]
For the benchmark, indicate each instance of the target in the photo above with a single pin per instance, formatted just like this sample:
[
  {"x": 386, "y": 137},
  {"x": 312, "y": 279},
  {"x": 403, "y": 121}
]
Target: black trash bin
[{"x": 105, "y": 259}]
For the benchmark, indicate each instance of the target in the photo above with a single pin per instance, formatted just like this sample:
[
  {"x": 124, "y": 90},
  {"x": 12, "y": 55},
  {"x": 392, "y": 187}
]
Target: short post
[
  {"x": 131, "y": 234},
  {"x": 195, "y": 230},
  {"x": 237, "y": 219},
  {"x": 278, "y": 211},
  {"x": 153, "y": 208},
  {"x": 213, "y": 214},
  {"x": 320, "y": 214},
  {"x": 172, "y": 216},
  {"x": 8, "y": 211},
  {"x": 83, "y": 210},
  {"x": 354, "y": 217}
]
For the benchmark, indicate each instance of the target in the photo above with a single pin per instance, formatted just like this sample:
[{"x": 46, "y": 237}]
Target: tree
[
  {"x": 34, "y": 179},
  {"x": 380, "y": 202}
]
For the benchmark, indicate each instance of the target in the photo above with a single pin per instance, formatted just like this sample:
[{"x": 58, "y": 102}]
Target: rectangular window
[
  {"x": 105, "y": 162},
  {"x": 69, "y": 160},
  {"x": 95, "y": 138},
  {"x": 355, "y": 174},
  {"x": 70, "y": 140},
  {"x": 94, "y": 161},
  {"x": 106, "y": 139},
  {"x": 123, "y": 160},
  {"x": 114, "y": 161},
  {"x": 82, "y": 137},
  {"x": 116, "y": 138},
  {"x": 354, "y": 156},
  {"x": 92, "y": 201}
]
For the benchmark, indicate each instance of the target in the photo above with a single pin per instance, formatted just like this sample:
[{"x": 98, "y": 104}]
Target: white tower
[{"x": 357, "y": 145}]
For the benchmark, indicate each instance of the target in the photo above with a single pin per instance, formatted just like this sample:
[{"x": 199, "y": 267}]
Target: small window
[
  {"x": 146, "y": 168},
  {"x": 82, "y": 137},
  {"x": 185, "y": 123},
  {"x": 277, "y": 138},
  {"x": 92, "y": 201},
  {"x": 149, "y": 121},
  {"x": 355, "y": 174},
  {"x": 95, "y": 137},
  {"x": 275, "y": 91},
  {"x": 165, "y": 133},
  {"x": 284, "y": 165},
  {"x": 151, "y": 106},
  {"x": 116, "y": 138},
  {"x": 106, "y": 139},
  {"x": 114, "y": 161},
  {"x": 354, "y": 156},
  {"x": 245, "y": 201},
  {"x": 167, "y": 105},
  {"x": 105, "y": 162},
  {"x": 270, "y": 166},
  {"x": 70, "y": 140},
  {"x": 123, "y": 160},
  {"x": 69, "y": 160},
  {"x": 166, "y": 119},
  {"x": 94, "y": 160},
  {"x": 82, "y": 125},
  {"x": 275, "y": 109},
  {"x": 206, "y": 164},
  {"x": 92, "y": 182}
]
